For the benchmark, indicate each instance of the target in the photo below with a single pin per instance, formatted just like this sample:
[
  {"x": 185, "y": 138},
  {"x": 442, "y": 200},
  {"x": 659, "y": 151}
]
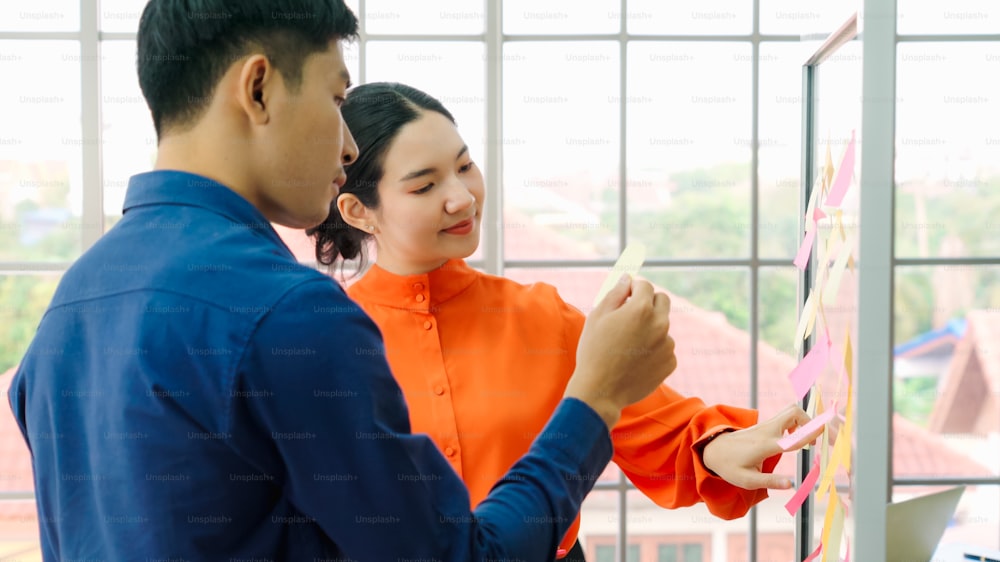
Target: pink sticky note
[
  {"x": 814, "y": 424},
  {"x": 814, "y": 554},
  {"x": 843, "y": 179},
  {"x": 818, "y": 214},
  {"x": 805, "y": 373},
  {"x": 805, "y": 489},
  {"x": 802, "y": 257}
]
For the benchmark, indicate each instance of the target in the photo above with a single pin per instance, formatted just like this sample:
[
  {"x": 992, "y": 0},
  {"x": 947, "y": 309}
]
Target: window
[{"x": 677, "y": 124}]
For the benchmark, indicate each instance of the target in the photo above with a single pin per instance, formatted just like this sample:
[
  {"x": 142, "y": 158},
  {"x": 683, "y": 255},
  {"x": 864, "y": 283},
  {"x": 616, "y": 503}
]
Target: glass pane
[
  {"x": 975, "y": 524},
  {"x": 23, "y": 301},
  {"x": 604, "y": 553},
  {"x": 706, "y": 17},
  {"x": 803, "y": 17},
  {"x": 946, "y": 371},
  {"x": 777, "y": 316},
  {"x": 41, "y": 177},
  {"x": 415, "y": 18},
  {"x": 560, "y": 157},
  {"x": 779, "y": 170},
  {"x": 454, "y": 73},
  {"x": 650, "y": 528},
  {"x": 771, "y": 546},
  {"x": 40, "y": 15},
  {"x": 121, "y": 15},
  {"x": 666, "y": 553},
  {"x": 557, "y": 17},
  {"x": 693, "y": 553},
  {"x": 948, "y": 150},
  {"x": 697, "y": 203},
  {"x": 129, "y": 139},
  {"x": 956, "y": 17},
  {"x": 709, "y": 318}
]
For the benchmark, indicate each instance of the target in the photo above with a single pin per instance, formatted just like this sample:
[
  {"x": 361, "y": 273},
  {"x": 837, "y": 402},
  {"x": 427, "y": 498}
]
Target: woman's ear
[{"x": 355, "y": 213}]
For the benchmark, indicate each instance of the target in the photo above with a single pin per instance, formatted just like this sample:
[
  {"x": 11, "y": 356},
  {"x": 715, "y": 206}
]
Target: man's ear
[
  {"x": 257, "y": 80},
  {"x": 355, "y": 213}
]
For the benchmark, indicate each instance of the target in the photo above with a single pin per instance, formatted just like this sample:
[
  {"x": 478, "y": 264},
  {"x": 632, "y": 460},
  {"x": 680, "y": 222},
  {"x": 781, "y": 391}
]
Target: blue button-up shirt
[{"x": 194, "y": 393}]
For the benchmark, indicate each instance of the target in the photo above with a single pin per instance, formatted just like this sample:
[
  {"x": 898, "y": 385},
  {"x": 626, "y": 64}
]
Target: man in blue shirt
[{"x": 193, "y": 393}]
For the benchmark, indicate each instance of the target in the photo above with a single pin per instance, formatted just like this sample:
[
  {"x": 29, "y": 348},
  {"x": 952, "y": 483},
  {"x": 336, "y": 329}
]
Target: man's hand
[
  {"x": 738, "y": 456},
  {"x": 625, "y": 351}
]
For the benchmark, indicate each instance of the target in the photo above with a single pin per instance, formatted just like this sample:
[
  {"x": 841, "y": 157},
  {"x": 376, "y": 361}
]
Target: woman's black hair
[{"x": 374, "y": 113}]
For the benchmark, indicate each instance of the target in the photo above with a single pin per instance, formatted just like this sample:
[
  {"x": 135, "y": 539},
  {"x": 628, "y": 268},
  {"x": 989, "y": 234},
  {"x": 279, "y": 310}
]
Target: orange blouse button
[
  {"x": 450, "y": 451},
  {"x": 439, "y": 390},
  {"x": 418, "y": 286},
  {"x": 427, "y": 324},
  {"x": 420, "y": 298}
]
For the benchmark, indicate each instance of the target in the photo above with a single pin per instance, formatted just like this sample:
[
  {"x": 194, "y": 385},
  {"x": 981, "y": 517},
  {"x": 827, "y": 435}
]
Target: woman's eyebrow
[{"x": 425, "y": 171}]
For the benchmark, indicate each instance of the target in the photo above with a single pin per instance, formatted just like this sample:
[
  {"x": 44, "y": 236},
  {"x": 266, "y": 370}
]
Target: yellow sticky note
[
  {"x": 833, "y": 530},
  {"x": 808, "y": 315},
  {"x": 831, "y": 470},
  {"x": 831, "y": 508},
  {"x": 628, "y": 263},
  {"x": 848, "y": 358}
]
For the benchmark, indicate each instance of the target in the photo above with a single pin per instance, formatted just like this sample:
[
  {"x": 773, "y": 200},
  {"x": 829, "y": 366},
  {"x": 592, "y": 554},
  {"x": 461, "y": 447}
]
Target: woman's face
[{"x": 431, "y": 198}]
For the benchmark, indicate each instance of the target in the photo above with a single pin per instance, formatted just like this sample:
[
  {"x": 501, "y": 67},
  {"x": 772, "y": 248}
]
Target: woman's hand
[{"x": 738, "y": 456}]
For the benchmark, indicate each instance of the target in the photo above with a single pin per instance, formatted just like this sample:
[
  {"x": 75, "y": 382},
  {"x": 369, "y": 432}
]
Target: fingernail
[
  {"x": 625, "y": 279},
  {"x": 786, "y": 483}
]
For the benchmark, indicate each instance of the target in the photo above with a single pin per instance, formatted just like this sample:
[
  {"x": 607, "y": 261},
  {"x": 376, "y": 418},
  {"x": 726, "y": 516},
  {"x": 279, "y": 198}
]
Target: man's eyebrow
[{"x": 417, "y": 173}]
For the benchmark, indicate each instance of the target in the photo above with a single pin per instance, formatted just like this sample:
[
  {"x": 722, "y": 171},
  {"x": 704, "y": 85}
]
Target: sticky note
[
  {"x": 844, "y": 174},
  {"x": 833, "y": 527},
  {"x": 848, "y": 358},
  {"x": 629, "y": 262},
  {"x": 800, "y": 495},
  {"x": 808, "y": 315},
  {"x": 814, "y": 554},
  {"x": 837, "y": 271},
  {"x": 802, "y": 257},
  {"x": 799, "y": 434},
  {"x": 805, "y": 373}
]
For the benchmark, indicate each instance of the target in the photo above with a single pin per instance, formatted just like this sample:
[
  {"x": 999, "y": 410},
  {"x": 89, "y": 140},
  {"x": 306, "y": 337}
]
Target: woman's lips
[{"x": 463, "y": 227}]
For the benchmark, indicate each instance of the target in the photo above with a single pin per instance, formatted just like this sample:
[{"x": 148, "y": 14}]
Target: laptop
[{"x": 914, "y": 527}]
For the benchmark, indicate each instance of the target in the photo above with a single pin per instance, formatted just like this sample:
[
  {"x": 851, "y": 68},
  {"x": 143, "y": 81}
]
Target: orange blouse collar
[{"x": 421, "y": 291}]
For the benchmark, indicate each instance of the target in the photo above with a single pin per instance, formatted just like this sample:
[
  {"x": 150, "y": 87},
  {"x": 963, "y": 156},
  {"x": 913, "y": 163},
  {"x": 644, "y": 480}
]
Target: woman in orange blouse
[{"x": 482, "y": 360}]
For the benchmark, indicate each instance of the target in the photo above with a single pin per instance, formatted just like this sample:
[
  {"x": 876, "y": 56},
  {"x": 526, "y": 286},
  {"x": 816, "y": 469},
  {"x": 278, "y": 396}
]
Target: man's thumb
[{"x": 617, "y": 294}]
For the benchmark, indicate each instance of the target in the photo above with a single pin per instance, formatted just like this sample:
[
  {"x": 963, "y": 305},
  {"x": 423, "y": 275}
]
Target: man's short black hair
[{"x": 185, "y": 46}]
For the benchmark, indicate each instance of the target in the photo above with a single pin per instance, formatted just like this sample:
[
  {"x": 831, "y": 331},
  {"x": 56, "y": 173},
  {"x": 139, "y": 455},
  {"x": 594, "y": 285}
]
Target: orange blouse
[{"x": 483, "y": 362}]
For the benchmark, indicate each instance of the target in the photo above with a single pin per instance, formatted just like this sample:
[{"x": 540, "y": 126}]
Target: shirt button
[
  {"x": 420, "y": 298},
  {"x": 427, "y": 324},
  {"x": 439, "y": 390},
  {"x": 450, "y": 451},
  {"x": 418, "y": 286}
]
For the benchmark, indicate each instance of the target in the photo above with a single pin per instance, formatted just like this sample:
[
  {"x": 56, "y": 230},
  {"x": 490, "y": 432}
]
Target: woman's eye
[
  {"x": 466, "y": 167},
  {"x": 424, "y": 189}
]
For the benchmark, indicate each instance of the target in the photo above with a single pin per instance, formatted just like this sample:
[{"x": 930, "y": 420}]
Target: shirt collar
[
  {"x": 414, "y": 292},
  {"x": 172, "y": 187}
]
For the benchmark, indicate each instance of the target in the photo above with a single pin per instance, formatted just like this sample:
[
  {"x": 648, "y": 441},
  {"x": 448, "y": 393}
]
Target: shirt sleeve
[
  {"x": 336, "y": 418},
  {"x": 658, "y": 442}
]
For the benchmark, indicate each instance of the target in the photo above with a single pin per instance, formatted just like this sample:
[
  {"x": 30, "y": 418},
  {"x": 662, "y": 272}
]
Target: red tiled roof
[{"x": 969, "y": 399}]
